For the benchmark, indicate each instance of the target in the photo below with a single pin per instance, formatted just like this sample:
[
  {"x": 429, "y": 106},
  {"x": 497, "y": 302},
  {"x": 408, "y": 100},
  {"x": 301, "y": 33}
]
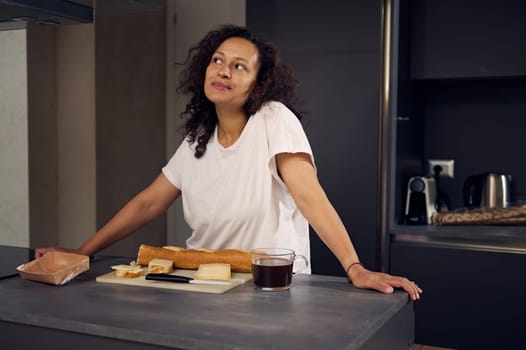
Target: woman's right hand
[{"x": 41, "y": 251}]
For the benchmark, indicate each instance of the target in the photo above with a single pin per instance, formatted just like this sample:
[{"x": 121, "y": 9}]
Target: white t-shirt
[{"x": 233, "y": 197}]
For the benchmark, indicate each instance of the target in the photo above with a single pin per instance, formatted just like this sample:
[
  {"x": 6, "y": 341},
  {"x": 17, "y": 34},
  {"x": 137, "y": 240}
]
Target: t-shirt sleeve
[
  {"x": 173, "y": 169},
  {"x": 285, "y": 135}
]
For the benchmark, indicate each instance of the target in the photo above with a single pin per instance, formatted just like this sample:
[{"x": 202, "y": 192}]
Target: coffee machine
[{"x": 420, "y": 200}]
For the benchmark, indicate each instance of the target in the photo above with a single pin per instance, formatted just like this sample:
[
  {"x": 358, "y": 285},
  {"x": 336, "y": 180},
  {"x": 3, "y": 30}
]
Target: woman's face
[{"x": 231, "y": 73}]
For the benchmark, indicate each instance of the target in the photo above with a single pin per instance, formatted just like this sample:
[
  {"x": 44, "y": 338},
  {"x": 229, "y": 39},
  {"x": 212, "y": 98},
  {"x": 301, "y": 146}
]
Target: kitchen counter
[
  {"x": 507, "y": 238},
  {"x": 318, "y": 312}
]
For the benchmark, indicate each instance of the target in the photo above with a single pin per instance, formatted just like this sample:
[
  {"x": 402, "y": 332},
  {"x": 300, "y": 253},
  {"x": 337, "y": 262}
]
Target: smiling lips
[{"x": 220, "y": 86}]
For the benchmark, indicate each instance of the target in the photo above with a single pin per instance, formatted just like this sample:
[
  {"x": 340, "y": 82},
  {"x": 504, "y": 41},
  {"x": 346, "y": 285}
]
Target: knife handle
[{"x": 167, "y": 278}]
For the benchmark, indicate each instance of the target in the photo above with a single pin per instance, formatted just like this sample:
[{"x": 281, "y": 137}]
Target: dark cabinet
[
  {"x": 469, "y": 38},
  {"x": 460, "y": 87},
  {"x": 334, "y": 48},
  {"x": 473, "y": 298}
]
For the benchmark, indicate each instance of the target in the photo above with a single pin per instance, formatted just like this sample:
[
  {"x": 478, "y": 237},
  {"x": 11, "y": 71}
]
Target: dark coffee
[{"x": 272, "y": 273}]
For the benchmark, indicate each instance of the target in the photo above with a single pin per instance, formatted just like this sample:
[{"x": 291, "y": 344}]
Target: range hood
[{"x": 16, "y": 14}]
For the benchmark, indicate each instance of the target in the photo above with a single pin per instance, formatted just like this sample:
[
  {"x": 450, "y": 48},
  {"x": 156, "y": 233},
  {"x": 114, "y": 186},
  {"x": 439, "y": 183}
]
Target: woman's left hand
[{"x": 382, "y": 282}]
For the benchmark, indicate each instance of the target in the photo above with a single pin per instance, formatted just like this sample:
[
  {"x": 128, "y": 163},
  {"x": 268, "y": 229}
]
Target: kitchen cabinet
[
  {"x": 459, "y": 86},
  {"x": 473, "y": 297},
  {"x": 334, "y": 48},
  {"x": 467, "y": 39}
]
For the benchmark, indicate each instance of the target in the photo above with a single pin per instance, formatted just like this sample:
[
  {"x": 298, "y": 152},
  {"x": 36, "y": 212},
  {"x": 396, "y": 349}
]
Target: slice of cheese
[
  {"x": 127, "y": 271},
  {"x": 213, "y": 272},
  {"x": 160, "y": 266}
]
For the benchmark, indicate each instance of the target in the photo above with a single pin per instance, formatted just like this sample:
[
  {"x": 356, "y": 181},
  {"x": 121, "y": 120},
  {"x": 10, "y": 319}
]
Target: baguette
[{"x": 238, "y": 259}]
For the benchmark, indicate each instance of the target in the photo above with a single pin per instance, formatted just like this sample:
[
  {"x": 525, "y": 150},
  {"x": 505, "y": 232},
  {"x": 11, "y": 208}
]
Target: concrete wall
[
  {"x": 43, "y": 135},
  {"x": 76, "y": 134},
  {"x": 131, "y": 116},
  {"x": 14, "y": 183}
]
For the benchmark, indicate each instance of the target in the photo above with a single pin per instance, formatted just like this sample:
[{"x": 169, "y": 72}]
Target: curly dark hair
[{"x": 275, "y": 82}]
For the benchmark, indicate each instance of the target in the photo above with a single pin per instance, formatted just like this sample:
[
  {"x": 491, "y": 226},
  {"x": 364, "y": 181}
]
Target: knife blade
[{"x": 182, "y": 279}]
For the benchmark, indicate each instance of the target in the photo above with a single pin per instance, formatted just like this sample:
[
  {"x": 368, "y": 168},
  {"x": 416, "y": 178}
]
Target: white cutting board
[{"x": 236, "y": 280}]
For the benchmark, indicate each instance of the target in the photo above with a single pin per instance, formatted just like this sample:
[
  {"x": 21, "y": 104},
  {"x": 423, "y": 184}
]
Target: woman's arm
[
  {"x": 141, "y": 209},
  {"x": 299, "y": 175}
]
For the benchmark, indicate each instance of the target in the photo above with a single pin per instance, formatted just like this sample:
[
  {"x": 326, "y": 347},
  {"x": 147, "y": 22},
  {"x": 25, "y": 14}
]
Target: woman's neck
[{"x": 230, "y": 126}]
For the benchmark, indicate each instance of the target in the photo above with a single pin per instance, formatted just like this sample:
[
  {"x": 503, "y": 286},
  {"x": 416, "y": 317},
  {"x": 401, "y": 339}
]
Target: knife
[{"x": 182, "y": 279}]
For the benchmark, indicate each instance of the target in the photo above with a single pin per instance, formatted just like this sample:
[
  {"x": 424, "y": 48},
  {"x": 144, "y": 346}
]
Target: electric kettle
[{"x": 489, "y": 190}]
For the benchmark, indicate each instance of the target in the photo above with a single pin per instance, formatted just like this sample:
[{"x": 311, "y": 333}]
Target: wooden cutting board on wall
[{"x": 236, "y": 280}]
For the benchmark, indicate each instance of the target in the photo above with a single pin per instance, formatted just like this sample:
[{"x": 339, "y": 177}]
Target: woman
[{"x": 245, "y": 171}]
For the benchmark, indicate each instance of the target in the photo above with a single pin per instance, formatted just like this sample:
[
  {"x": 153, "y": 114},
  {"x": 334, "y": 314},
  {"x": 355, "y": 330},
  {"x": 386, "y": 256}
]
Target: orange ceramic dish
[{"x": 54, "y": 267}]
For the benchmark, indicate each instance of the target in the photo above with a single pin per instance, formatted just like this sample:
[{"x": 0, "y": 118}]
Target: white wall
[
  {"x": 14, "y": 187},
  {"x": 187, "y": 22}
]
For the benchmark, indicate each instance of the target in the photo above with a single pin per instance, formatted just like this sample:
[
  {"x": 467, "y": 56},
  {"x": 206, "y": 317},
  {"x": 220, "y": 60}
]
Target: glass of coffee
[{"x": 272, "y": 268}]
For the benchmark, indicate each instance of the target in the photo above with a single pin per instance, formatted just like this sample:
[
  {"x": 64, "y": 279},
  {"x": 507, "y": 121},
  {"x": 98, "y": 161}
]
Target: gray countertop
[{"x": 318, "y": 312}]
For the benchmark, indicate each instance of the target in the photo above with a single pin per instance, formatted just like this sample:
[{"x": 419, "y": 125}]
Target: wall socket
[{"x": 448, "y": 167}]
